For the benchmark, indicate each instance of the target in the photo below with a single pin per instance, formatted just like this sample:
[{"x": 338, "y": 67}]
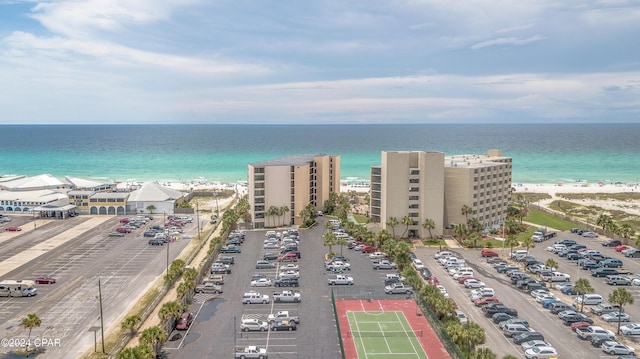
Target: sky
[{"x": 319, "y": 62}]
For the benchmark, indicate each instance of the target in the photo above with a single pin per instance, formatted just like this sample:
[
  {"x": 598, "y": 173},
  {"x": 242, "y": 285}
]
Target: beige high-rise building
[
  {"x": 427, "y": 185},
  {"x": 290, "y": 182},
  {"x": 481, "y": 182}
]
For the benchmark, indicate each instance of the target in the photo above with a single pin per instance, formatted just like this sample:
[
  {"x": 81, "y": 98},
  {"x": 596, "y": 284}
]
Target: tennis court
[
  {"x": 394, "y": 329},
  {"x": 384, "y": 335}
]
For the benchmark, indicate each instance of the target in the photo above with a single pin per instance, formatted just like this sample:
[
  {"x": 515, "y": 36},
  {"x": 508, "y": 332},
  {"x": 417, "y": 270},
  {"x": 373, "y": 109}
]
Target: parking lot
[
  {"x": 216, "y": 331},
  {"x": 77, "y": 255},
  {"x": 542, "y": 320}
]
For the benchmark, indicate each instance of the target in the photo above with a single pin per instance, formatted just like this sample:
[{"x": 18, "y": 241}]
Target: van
[
  {"x": 461, "y": 316},
  {"x": 604, "y": 308},
  {"x": 558, "y": 307},
  {"x": 519, "y": 252},
  {"x": 588, "y": 299},
  {"x": 617, "y": 280}
]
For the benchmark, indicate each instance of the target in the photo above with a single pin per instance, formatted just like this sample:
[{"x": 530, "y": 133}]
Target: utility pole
[
  {"x": 198, "y": 217},
  {"x": 101, "y": 315}
]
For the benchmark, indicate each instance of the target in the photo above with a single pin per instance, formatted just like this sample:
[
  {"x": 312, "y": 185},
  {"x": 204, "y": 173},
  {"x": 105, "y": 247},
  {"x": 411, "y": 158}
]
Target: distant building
[
  {"x": 290, "y": 182},
  {"x": 427, "y": 185}
]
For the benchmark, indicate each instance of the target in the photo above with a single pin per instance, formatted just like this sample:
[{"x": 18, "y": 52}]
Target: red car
[
  {"x": 621, "y": 248},
  {"x": 45, "y": 279},
  {"x": 13, "y": 229},
  {"x": 576, "y": 325},
  {"x": 484, "y": 301},
  {"x": 488, "y": 253},
  {"x": 125, "y": 220},
  {"x": 123, "y": 230},
  {"x": 369, "y": 249},
  {"x": 288, "y": 257},
  {"x": 185, "y": 321}
]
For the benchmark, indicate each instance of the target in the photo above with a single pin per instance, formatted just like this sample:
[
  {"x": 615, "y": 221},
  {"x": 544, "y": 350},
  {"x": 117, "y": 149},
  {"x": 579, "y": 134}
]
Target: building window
[
  {"x": 413, "y": 215},
  {"x": 414, "y": 172},
  {"x": 258, "y": 178},
  {"x": 414, "y": 189},
  {"x": 414, "y": 180},
  {"x": 414, "y": 206},
  {"x": 413, "y": 198}
]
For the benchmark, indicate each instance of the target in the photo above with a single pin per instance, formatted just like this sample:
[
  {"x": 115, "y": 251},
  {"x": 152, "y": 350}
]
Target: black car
[
  {"x": 426, "y": 273},
  {"x": 489, "y": 312},
  {"x": 156, "y": 242},
  {"x": 287, "y": 282},
  {"x": 603, "y": 272},
  {"x": 577, "y": 317},
  {"x": 339, "y": 258},
  {"x": 234, "y": 241},
  {"x": 525, "y": 337},
  {"x": 500, "y": 317},
  {"x": 283, "y": 325},
  {"x": 611, "y": 243},
  {"x": 226, "y": 259},
  {"x": 270, "y": 256},
  {"x": 573, "y": 256},
  {"x": 151, "y": 233}
]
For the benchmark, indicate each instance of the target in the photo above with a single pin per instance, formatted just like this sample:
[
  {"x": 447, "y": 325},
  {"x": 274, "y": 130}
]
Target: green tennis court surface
[{"x": 384, "y": 335}]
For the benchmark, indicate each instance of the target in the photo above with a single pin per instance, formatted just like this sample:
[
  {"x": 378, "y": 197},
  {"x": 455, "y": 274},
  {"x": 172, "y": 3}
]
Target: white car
[
  {"x": 378, "y": 255},
  {"x": 289, "y": 274},
  {"x": 462, "y": 274},
  {"x": 289, "y": 266},
  {"x": 473, "y": 283},
  {"x": 542, "y": 297},
  {"x": 540, "y": 352},
  {"x": 630, "y": 329},
  {"x": 261, "y": 282},
  {"x": 443, "y": 290},
  {"x": 615, "y": 316},
  {"x": 589, "y": 235},
  {"x": 271, "y": 246},
  {"x": 443, "y": 254},
  {"x": 418, "y": 264},
  {"x": 254, "y": 325},
  {"x": 534, "y": 343}
]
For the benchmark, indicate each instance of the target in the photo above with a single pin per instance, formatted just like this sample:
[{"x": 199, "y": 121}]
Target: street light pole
[{"x": 198, "y": 217}]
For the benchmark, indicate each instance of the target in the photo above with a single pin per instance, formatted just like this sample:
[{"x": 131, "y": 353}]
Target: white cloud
[{"x": 507, "y": 41}]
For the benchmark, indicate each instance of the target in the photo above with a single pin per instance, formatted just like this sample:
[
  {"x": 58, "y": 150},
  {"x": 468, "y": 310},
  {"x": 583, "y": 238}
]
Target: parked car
[
  {"x": 615, "y": 317},
  {"x": 488, "y": 253},
  {"x": 270, "y": 256},
  {"x": 230, "y": 249},
  {"x": 185, "y": 321},
  {"x": 611, "y": 243},
  {"x": 613, "y": 347},
  {"x": 253, "y": 325},
  {"x": 262, "y": 282},
  {"x": 540, "y": 353},
  {"x": 528, "y": 336},
  {"x": 116, "y": 234},
  {"x": 44, "y": 279},
  {"x": 264, "y": 265},
  {"x": 630, "y": 329}
]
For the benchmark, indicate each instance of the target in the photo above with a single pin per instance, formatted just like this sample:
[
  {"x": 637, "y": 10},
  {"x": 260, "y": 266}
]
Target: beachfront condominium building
[
  {"x": 290, "y": 183},
  {"x": 429, "y": 185}
]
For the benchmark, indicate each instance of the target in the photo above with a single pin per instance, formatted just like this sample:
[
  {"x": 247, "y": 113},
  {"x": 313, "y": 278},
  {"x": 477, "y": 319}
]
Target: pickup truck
[
  {"x": 398, "y": 288},
  {"x": 338, "y": 265},
  {"x": 217, "y": 279},
  {"x": 542, "y": 236},
  {"x": 384, "y": 264},
  {"x": 588, "y": 332},
  {"x": 339, "y": 279},
  {"x": 252, "y": 352},
  {"x": 603, "y": 272},
  {"x": 283, "y": 315},
  {"x": 287, "y": 296},
  {"x": 219, "y": 268}
]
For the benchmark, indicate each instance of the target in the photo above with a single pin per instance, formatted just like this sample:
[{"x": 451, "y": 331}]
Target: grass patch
[
  {"x": 624, "y": 196},
  {"x": 434, "y": 242},
  {"x": 529, "y": 197},
  {"x": 526, "y": 234},
  {"x": 491, "y": 243},
  {"x": 361, "y": 219},
  {"x": 544, "y": 219}
]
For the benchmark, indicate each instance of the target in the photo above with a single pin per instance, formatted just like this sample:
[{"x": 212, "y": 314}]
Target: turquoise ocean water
[{"x": 542, "y": 153}]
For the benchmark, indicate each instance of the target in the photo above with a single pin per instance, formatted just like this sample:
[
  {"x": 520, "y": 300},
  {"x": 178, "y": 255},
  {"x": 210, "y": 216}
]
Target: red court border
[{"x": 429, "y": 340}]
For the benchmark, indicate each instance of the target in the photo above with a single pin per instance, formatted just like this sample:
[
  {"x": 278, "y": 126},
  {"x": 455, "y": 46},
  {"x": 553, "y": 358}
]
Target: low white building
[{"x": 154, "y": 198}]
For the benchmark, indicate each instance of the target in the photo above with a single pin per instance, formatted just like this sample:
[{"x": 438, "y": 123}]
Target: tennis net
[{"x": 388, "y": 334}]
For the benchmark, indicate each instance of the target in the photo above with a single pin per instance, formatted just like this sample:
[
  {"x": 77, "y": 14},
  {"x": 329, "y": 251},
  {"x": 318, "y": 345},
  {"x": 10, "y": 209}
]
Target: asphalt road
[
  {"x": 216, "y": 330},
  {"x": 70, "y": 307},
  {"x": 563, "y": 339}
]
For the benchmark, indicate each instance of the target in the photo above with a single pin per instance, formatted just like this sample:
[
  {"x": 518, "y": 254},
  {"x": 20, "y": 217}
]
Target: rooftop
[{"x": 295, "y": 160}]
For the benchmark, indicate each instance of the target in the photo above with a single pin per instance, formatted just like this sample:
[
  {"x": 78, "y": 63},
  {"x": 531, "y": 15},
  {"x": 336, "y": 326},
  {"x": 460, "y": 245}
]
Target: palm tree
[
  {"x": 583, "y": 287},
  {"x": 170, "y": 310},
  {"x": 466, "y": 211},
  {"x": 151, "y": 208},
  {"x": 272, "y": 211},
  {"x": 461, "y": 232},
  {"x": 429, "y": 224},
  {"x": 620, "y": 297},
  {"x": 551, "y": 263},
  {"x": 341, "y": 241},
  {"x": 142, "y": 351},
  {"x": 474, "y": 225},
  {"x": 475, "y": 236},
  {"x": 154, "y": 337},
  {"x": 130, "y": 323},
  {"x": 604, "y": 221},
  {"x": 528, "y": 243},
  {"x": 392, "y": 222},
  {"x": 190, "y": 274},
  {"x": 31, "y": 321},
  {"x": 483, "y": 353},
  {"x": 282, "y": 211},
  {"x": 184, "y": 287},
  {"x": 509, "y": 356},
  {"x": 407, "y": 221},
  {"x": 329, "y": 240},
  {"x": 328, "y": 226},
  {"x": 511, "y": 241}
]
